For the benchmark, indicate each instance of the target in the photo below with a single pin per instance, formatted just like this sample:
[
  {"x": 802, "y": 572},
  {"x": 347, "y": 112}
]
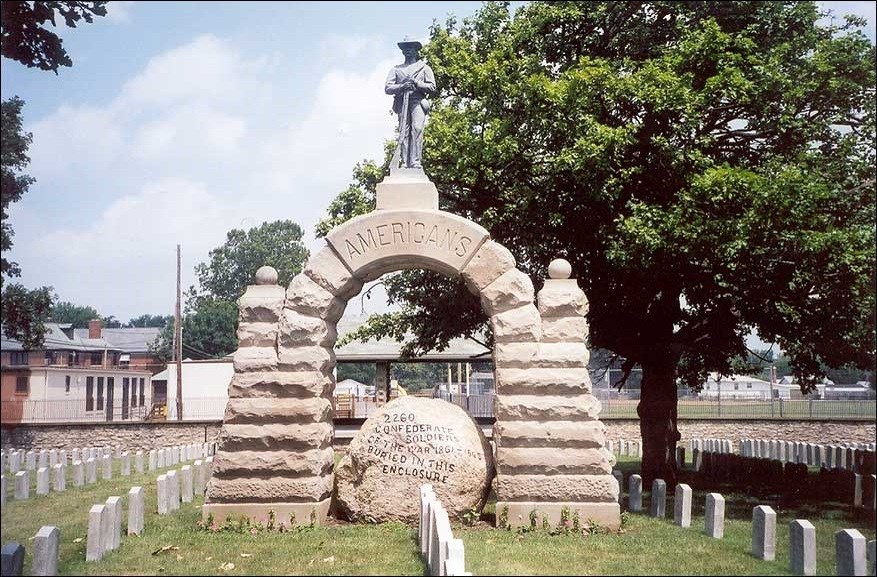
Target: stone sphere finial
[
  {"x": 559, "y": 269},
  {"x": 266, "y": 275}
]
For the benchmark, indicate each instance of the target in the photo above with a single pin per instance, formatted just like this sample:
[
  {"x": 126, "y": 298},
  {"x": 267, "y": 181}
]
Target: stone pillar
[
  {"x": 714, "y": 516},
  {"x": 550, "y": 444},
  {"x": 45, "y": 555},
  {"x": 135, "y": 511},
  {"x": 764, "y": 533},
  {"x": 276, "y": 449},
  {"x": 682, "y": 505}
]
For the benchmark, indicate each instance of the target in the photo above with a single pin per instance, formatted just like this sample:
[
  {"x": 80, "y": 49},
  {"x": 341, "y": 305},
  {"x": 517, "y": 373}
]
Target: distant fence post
[
  {"x": 781, "y": 407},
  {"x": 810, "y": 407}
]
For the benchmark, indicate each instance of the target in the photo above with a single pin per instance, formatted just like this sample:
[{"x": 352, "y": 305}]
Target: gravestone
[
  {"x": 22, "y": 485},
  {"x": 114, "y": 507},
  {"x": 409, "y": 442},
  {"x": 94, "y": 547},
  {"x": 802, "y": 547},
  {"x": 45, "y": 556},
  {"x": 658, "y": 504},
  {"x": 714, "y": 516},
  {"x": 135, "y": 511},
  {"x": 764, "y": 532},
  {"x": 850, "y": 552},
  {"x": 12, "y": 559},
  {"x": 682, "y": 505},
  {"x": 59, "y": 478},
  {"x": 635, "y": 493}
]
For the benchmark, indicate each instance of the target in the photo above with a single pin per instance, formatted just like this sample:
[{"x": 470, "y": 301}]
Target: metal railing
[{"x": 349, "y": 406}]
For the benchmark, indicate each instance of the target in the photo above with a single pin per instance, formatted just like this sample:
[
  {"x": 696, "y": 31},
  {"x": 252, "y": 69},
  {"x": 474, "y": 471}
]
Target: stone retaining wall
[
  {"x": 821, "y": 432},
  {"x": 129, "y": 436}
]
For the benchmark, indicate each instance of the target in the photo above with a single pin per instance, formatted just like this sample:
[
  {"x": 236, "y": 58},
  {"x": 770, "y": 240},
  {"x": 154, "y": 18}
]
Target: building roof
[
  {"x": 387, "y": 349},
  {"x": 56, "y": 339},
  {"x": 128, "y": 340}
]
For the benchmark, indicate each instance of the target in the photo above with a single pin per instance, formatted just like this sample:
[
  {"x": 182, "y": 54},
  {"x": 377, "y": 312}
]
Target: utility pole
[{"x": 178, "y": 344}]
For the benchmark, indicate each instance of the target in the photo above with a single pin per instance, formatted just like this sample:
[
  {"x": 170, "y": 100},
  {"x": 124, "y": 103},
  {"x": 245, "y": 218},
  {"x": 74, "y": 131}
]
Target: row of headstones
[
  {"x": 45, "y": 556},
  {"x": 172, "y": 488},
  {"x": 791, "y": 478},
  {"x": 86, "y": 473},
  {"x": 850, "y": 544},
  {"x": 442, "y": 553},
  {"x": 625, "y": 448},
  {"x": 17, "y": 459},
  {"x": 852, "y": 456}
]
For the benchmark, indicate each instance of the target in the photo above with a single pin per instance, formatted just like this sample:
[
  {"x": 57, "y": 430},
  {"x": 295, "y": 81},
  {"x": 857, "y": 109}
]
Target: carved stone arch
[{"x": 275, "y": 450}]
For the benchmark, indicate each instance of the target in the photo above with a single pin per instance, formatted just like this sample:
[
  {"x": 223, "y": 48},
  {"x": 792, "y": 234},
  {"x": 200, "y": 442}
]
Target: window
[
  {"x": 142, "y": 399},
  {"x": 54, "y": 357},
  {"x": 97, "y": 358},
  {"x": 133, "y": 389},
  {"x": 100, "y": 393},
  {"x": 18, "y": 358},
  {"x": 748, "y": 385},
  {"x": 67, "y": 384},
  {"x": 89, "y": 393},
  {"x": 22, "y": 384},
  {"x": 71, "y": 358},
  {"x": 736, "y": 386}
]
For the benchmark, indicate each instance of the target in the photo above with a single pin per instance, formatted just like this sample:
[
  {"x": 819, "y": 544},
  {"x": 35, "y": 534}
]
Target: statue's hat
[{"x": 409, "y": 41}]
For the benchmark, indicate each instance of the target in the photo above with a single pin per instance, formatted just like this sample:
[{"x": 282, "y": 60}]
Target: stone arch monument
[{"x": 275, "y": 452}]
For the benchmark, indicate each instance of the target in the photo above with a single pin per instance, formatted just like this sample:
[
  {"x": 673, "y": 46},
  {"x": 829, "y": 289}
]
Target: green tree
[
  {"x": 232, "y": 266},
  {"x": 23, "y": 314},
  {"x": 77, "y": 315},
  {"x": 151, "y": 321},
  {"x": 13, "y": 159},
  {"x": 24, "y": 38},
  {"x": 210, "y": 320},
  {"x": 706, "y": 167}
]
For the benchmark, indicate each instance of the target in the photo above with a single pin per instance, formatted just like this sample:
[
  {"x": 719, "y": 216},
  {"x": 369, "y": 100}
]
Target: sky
[{"x": 180, "y": 121}]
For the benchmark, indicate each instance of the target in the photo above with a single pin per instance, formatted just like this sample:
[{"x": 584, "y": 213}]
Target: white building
[
  {"x": 205, "y": 388},
  {"x": 748, "y": 387}
]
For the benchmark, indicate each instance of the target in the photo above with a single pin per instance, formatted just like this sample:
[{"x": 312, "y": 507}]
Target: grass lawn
[{"x": 646, "y": 546}]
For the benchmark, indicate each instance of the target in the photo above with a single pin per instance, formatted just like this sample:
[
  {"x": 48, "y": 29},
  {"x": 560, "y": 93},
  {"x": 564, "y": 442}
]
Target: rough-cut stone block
[
  {"x": 562, "y": 355},
  {"x": 279, "y": 411},
  {"x": 307, "y": 297},
  {"x": 311, "y": 463},
  {"x": 255, "y": 359},
  {"x": 302, "y": 512},
  {"x": 564, "y": 329},
  {"x": 589, "y": 434},
  {"x": 45, "y": 555},
  {"x": 306, "y": 358},
  {"x": 261, "y": 304},
  {"x": 549, "y": 461},
  {"x": 517, "y": 325},
  {"x": 562, "y": 298},
  {"x": 511, "y": 290},
  {"x": 94, "y": 547},
  {"x": 682, "y": 505},
  {"x": 135, "y": 511},
  {"x": 488, "y": 264},
  {"x": 764, "y": 532},
  {"x": 585, "y": 488},
  {"x": 280, "y": 384},
  {"x": 275, "y": 436},
  {"x": 297, "y": 329},
  {"x": 515, "y": 355},
  {"x": 607, "y": 515},
  {"x": 540, "y": 381},
  {"x": 546, "y": 408},
  {"x": 326, "y": 269},
  {"x": 714, "y": 516},
  {"x": 269, "y": 489},
  {"x": 257, "y": 334}
]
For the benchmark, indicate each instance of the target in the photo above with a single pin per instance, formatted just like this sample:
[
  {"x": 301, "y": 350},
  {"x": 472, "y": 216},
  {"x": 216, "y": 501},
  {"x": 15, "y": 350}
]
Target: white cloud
[
  {"x": 201, "y": 140},
  {"x": 119, "y": 11}
]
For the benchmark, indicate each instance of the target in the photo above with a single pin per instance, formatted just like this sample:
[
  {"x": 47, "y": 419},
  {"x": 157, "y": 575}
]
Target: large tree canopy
[{"x": 706, "y": 167}]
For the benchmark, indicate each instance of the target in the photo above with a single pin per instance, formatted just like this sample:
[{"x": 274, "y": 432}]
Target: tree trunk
[{"x": 657, "y": 419}]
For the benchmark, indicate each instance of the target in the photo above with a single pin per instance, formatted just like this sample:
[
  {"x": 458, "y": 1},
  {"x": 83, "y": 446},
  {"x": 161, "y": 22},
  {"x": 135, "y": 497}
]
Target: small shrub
[{"x": 504, "y": 517}]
